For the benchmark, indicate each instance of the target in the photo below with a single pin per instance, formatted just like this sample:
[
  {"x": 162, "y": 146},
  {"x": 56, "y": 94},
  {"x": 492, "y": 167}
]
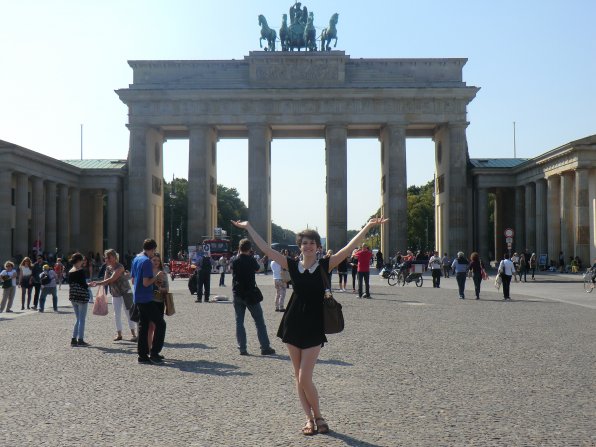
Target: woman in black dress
[{"x": 301, "y": 327}]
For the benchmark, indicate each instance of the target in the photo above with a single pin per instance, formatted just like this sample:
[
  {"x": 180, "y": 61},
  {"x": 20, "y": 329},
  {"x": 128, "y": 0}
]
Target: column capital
[
  {"x": 137, "y": 126},
  {"x": 458, "y": 124}
]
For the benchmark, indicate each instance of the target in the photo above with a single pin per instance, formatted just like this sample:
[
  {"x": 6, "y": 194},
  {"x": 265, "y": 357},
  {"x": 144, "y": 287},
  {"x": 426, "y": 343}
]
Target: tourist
[
  {"x": 116, "y": 279},
  {"x": 379, "y": 260},
  {"x": 9, "y": 286},
  {"x": 222, "y": 262},
  {"x": 160, "y": 288},
  {"x": 59, "y": 269},
  {"x": 302, "y": 327},
  {"x": 280, "y": 286},
  {"x": 143, "y": 280},
  {"x": 48, "y": 286},
  {"x": 460, "y": 268},
  {"x": 36, "y": 270},
  {"x": 364, "y": 256},
  {"x": 78, "y": 295},
  {"x": 476, "y": 267},
  {"x": 523, "y": 267},
  {"x": 342, "y": 272},
  {"x": 244, "y": 268},
  {"x": 446, "y": 265},
  {"x": 515, "y": 260},
  {"x": 354, "y": 266},
  {"x": 532, "y": 265},
  {"x": 435, "y": 264},
  {"x": 506, "y": 269},
  {"x": 25, "y": 282},
  {"x": 561, "y": 262},
  {"x": 204, "y": 278},
  {"x": 87, "y": 268}
]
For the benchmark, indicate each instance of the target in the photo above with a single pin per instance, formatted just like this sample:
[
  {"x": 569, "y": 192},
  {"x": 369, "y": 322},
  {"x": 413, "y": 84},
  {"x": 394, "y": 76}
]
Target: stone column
[
  {"x": 75, "y": 219},
  {"x": 63, "y": 220},
  {"x": 113, "y": 218},
  {"x": 139, "y": 187},
  {"x": 38, "y": 212},
  {"x": 259, "y": 179},
  {"x": 500, "y": 245},
  {"x": 519, "y": 240},
  {"x": 202, "y": 184},
  {"x": 394, "y": 189},
  {"x": 531, "y": 218},
  {"x": 21, "y": 230},
  {"x": 98, "y": 213},
  {"x": 482, "y": 222},
  {"x": 336, "y": 161},
  {"x": 582, "y": 212},
  {"x": 50, "y": 242},
  {"x": 5, "y": 215},
  {"x": 553, "y": 186},
  {"x": 458, "y": 239},
  {"x": 567, "y": 215},
  {"x": 541, "y": 228}
]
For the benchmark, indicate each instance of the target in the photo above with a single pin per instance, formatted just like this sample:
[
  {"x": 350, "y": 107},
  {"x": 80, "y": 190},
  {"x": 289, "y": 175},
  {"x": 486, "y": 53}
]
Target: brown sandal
[
  {"x": 118, "y": 338},
  {"x": 309, "y": 428},
  {"x": 322, "y": 426}
]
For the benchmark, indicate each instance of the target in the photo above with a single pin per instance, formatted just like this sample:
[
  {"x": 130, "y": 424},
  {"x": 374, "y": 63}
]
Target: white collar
[{"x": 312, "y": 268}]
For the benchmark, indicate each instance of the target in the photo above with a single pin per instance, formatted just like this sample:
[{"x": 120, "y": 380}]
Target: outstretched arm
[
  {"x": 347, "y": 250},
  {"x": 260, "y": 242}
]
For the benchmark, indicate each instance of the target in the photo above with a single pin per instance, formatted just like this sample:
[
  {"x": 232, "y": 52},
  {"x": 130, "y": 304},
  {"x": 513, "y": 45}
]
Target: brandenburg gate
[{"x": 326, "y": 95}]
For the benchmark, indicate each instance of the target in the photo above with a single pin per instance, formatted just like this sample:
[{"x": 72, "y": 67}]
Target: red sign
[{"x": 509, "y": 232}]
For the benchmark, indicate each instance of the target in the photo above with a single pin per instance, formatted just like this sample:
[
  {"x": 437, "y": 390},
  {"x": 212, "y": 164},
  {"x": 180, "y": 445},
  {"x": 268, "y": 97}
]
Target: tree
[
  {"x": 281, "y": 235},
  {"x": 421, "y": 217},
  {"x": 230, "y": 207},
  {"x": 175, "y": 216}
]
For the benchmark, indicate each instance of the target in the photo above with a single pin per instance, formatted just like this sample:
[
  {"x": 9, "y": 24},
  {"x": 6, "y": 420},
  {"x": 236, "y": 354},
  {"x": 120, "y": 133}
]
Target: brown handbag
[
  {"x": 169, "y": 300},
  {"x": 333, "y": 317}
]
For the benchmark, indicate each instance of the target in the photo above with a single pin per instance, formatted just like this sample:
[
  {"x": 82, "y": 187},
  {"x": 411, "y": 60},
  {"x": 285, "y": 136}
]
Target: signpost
[{"x": 509, "y": 233}]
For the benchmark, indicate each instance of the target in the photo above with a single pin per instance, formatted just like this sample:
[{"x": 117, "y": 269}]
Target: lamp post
[{"x": 172, "y": 198}]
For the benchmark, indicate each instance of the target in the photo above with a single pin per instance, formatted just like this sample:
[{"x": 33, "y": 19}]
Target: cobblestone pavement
[{"x": 414, "y": 367}]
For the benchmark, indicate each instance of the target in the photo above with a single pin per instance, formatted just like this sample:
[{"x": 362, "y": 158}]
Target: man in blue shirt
[{"x": 143, "y": 280}]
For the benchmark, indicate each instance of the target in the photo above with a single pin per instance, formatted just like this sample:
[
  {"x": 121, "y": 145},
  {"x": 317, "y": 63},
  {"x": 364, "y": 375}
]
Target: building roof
[
  {"x": 97, "y": 164},
  {"x": 504, "y": 163}
]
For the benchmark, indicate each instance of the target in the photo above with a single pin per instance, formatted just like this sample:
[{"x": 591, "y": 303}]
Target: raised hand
[
  {"x": 378, "y": 220},
  {"x": 240, "y": 224}
]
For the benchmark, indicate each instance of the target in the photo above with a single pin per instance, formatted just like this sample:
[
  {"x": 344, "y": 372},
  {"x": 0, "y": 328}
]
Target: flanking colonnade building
[{"x": 89, "y": 205}]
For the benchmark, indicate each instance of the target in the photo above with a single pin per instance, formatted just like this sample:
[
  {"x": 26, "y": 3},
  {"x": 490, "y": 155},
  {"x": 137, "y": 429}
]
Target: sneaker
[
  {"x": 134, "y": 339},
  {"x": 243, "y": 352},
  {"x": 145, "y": 360},
  {"x": 73, "y": 342},
  {"x": 268, "y": 351},
  {"x": 10, "y": 311},
  {"x": 33, "y": 308},
  {"x": 155, "y": 359},
  {"x": 82, "y": 342},
  {"x": 159, "y": 356},
  {"x": 197, "y": 301}
]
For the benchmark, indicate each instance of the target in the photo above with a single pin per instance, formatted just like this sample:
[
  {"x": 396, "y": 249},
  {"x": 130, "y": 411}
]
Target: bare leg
[{"x": 304, "y": 361}]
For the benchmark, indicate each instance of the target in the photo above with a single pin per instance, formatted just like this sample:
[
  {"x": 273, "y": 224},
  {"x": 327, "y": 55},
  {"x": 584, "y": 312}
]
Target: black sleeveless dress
[{"x": 302, "y": 322}]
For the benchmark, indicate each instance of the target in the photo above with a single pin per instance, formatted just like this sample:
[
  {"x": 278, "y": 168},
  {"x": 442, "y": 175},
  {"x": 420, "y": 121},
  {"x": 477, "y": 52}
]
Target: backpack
[{"x": 45, "y": 278}]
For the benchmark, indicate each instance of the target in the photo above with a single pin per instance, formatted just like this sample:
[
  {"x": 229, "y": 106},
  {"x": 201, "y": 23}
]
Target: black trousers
[
  {"x": 354, "y": 273},
  {"x": 151, "y": 312},
  {"x": 477, "y": 277},
  {"x": 436, "y": 277},
  {"x": 37, "y": 287},
  {"x": 506, "y": 284},
  {"x": 204, "y": 284},
  {"x": 363, "y": 276}
]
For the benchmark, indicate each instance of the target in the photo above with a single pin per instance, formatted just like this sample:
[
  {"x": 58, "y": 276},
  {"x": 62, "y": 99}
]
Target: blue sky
[{"x": 533, "y": 60}]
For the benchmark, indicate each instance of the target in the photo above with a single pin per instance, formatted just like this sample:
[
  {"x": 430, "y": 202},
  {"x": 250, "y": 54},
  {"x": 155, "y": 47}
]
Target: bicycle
[{"x": 588, "y": 283}]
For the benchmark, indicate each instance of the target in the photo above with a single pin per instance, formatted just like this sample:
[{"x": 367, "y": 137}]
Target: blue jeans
[
  {"x": 256, "y": 312},
  {"x": 80, "y": 310},
  {"x": 44, "y": 293},
  {"x": 461, "y": 282}
]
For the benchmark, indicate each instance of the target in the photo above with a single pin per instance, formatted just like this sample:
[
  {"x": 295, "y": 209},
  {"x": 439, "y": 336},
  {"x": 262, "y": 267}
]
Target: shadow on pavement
[
  {"x": 350, "y": 441},
  {"x": 114, "y": 350},
  {"x": 187, "y": 345},
  {"x": 205, "y": 367},
  {"x": 286, "y": 358}
]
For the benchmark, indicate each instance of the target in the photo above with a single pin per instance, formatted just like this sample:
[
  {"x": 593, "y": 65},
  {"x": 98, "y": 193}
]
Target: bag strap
[{"x": 325, "y": 278}]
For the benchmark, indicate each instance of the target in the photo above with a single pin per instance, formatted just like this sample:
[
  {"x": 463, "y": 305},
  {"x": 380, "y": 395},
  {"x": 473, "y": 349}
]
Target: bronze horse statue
[
  {"x": 310, "y": 34},
  {"x": 267, "y": 34},
  {"x": 284, "y": 32},
  {"x": 329, "y": 34}
]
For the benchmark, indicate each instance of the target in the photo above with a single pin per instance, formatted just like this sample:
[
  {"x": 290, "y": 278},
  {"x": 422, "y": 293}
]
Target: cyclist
[{"x": 593, "y": 271}]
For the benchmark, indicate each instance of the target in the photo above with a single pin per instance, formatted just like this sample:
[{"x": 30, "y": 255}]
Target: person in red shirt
[{"x": 364, "y": 256}]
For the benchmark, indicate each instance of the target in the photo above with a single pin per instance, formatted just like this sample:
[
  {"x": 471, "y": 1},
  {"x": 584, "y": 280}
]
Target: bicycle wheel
[
  {"x": 392, "y": 279},
  {"x": 419, "y": 281},
  {"x": 401, "y": 279},
  {"x": 588, "y": 284}
]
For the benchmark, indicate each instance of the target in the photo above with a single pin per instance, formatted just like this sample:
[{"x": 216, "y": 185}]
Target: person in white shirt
[
  {"x": 435, "y": 263},
  {"x": 280, "y": 287},
  {"x": 506, "y": 269}
]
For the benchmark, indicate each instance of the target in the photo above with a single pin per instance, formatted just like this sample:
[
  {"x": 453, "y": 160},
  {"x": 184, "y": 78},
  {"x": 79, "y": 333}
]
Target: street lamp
[{"x": 172, "y": 198}]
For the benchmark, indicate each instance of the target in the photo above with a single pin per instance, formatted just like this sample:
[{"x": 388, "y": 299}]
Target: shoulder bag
[
  {"x": 333, "y": 317},
  {"x": 169, "y": 300}
]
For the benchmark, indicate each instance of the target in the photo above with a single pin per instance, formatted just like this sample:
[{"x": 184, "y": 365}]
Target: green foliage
[
  {"x": 281, "y": 235},
  {"x": 230, "y": 207},
  {"x": 175, "y": 216},
  {"x": 421, "y": 217}
]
